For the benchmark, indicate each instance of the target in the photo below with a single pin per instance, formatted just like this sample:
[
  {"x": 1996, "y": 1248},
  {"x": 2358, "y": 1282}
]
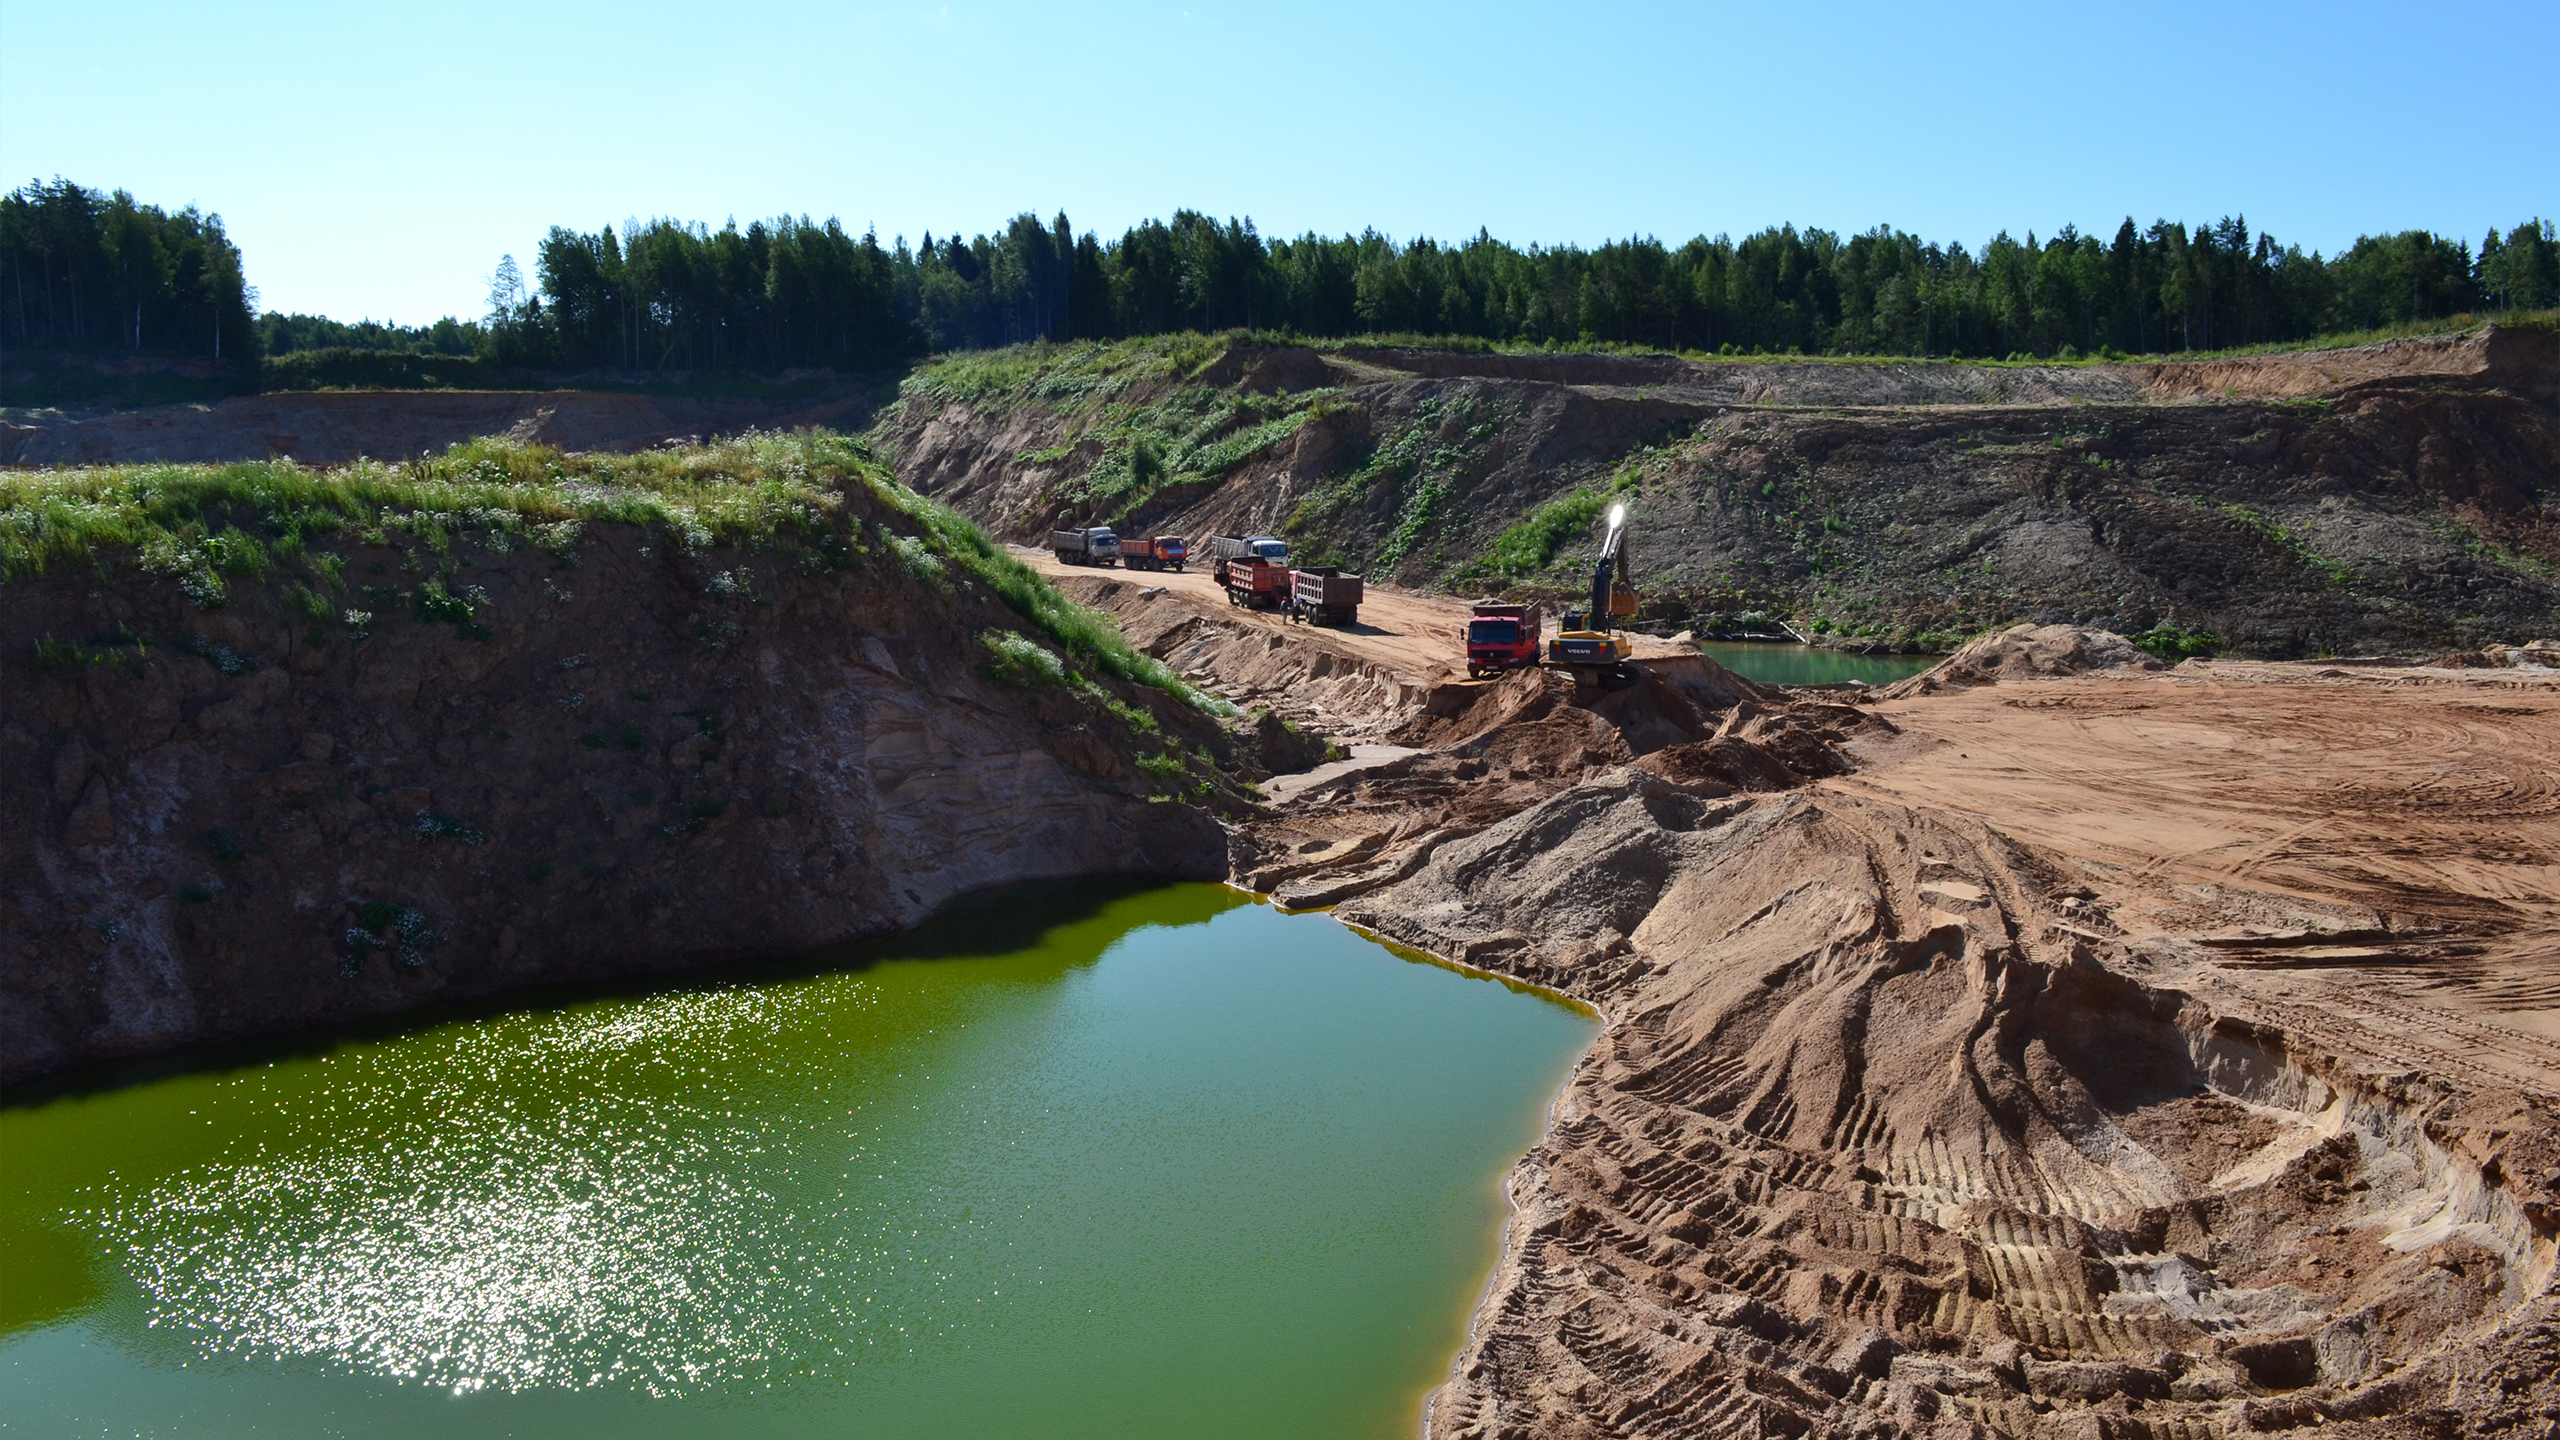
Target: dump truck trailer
[
  {"x": 1323, "y": 595},
  {"x": 1093, "y": 545},
  {"x": 1255, "y": 583}
]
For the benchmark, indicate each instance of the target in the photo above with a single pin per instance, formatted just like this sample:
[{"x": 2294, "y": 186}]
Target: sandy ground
[
  {"x": 1418, "y": 635},
  {"x": 2414, "y": 814},
  {"x": 2113, "y": 1054}
]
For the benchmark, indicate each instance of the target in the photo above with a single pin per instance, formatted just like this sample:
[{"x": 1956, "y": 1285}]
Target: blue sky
[{"x": 376, "y": 160}]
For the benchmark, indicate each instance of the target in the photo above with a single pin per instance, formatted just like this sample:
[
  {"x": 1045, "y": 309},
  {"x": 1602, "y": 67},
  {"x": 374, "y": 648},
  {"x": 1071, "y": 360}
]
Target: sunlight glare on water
[{"x": 1058, "y": 1166}]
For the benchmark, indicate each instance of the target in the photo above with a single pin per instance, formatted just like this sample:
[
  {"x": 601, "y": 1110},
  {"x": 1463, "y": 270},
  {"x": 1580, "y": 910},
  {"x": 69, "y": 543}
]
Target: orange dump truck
[{"x": 1157, "y": 552}]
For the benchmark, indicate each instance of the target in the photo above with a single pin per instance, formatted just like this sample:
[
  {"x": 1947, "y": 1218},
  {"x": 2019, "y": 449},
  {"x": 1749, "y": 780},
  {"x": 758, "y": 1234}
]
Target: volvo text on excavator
[{"x": 1590, "y": 645}]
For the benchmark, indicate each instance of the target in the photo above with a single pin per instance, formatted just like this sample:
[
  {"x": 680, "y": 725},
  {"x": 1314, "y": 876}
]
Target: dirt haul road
[
  {"x": 1405, "y": 645},
  {"x": 2057, "y": 1046},
  {"x": 1409, "y": 632}
]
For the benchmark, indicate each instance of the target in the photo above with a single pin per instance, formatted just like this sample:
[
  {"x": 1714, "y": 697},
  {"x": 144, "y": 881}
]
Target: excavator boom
[
  {"x": 1613, "y": 595},
  {"x": 1592, "y": 652}
]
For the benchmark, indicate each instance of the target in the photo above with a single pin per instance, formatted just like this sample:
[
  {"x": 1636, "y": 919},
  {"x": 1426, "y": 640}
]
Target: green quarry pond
[
  {"x": 1082, "y": 1162},
  {"x": 1775, "y": 664}
]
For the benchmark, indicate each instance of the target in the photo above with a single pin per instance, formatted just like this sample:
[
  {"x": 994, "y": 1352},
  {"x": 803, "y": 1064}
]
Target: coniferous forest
[{"x": 82, "y": 269}]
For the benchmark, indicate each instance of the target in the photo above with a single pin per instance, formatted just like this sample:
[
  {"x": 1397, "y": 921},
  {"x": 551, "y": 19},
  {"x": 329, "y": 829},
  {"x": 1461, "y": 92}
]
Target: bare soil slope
[
  {"x": 2402, "y": 498},
  {"x": 232, "y": 822}
]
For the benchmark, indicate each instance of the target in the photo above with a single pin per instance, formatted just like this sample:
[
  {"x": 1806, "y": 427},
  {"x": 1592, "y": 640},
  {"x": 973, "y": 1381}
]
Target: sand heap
[
  {"x": 2025, "y": 652},
  {"x": 1902, "y": 1123},
  {"x": 1485, "y": 752},
  {"x": 1882, "y": 1138},
  {"x": 2537, "y": 655}
]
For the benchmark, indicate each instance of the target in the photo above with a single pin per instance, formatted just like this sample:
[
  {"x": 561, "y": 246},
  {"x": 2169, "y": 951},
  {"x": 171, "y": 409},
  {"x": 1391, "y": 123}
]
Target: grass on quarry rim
[
  {"x": 208, "y": 525},
  {"x": 1063, "y": 373},
  {"x": 1066, "y": 372}
]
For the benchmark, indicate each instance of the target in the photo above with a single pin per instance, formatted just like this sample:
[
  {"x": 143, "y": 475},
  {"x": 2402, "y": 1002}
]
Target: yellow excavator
[{"x": 1590, "y": 646}]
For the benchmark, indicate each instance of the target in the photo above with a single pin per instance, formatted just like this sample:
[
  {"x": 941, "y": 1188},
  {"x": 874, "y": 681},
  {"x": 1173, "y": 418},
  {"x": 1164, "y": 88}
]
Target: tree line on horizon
[
  {"x": 85, "y": 269},
  {"x": 669, "y": 295}
]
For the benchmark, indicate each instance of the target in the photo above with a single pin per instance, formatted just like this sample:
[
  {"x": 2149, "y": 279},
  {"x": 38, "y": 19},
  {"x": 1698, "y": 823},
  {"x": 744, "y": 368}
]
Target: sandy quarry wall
[{"x": 230, "y": 822}]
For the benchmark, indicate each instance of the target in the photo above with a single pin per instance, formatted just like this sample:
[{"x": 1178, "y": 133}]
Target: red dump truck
[
  {"x": 1156, "y": 552},
  {"x": 1502, "y": 637},
  {"x": 1323, "y": 595},
  {"x": 1256, "y": 583}
]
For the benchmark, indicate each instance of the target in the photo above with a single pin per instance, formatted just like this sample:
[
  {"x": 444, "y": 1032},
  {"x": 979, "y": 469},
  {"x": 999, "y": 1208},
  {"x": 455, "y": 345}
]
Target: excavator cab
[{"x": 1591, "y": 647}]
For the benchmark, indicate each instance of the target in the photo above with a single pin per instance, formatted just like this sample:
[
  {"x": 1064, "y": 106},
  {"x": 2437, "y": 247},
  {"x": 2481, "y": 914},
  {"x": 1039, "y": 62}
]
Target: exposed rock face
[
  {"x": 2537, "y": 655},
  {"x": 645, "y": 760}
]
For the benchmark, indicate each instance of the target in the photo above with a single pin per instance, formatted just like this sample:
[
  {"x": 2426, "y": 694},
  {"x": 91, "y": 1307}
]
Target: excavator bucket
[{"x": 1622, "y": 600}]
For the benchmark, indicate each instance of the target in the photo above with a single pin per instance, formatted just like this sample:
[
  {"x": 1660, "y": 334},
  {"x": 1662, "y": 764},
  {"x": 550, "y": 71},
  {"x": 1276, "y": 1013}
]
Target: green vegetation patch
[
  {"x": 1071, "y": 376},
  {"x": 1415, "y": 469},
  {"x": 1530, "y": 546},
  {"x": 1147, "y": 411},
  {"x": 1018, "y": 661},
  {"x": 1083, "y": 635},
  {"x": 2172, "y": 642},
  {"x": 209, "y": 526}
]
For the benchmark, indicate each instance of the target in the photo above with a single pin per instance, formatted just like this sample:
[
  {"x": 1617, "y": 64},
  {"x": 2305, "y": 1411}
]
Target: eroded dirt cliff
[{"x": 499, "y": 758}]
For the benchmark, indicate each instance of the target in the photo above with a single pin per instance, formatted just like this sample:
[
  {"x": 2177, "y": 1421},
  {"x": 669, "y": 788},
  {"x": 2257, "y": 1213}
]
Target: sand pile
[
  {"x": 2025, "y": 652},
  {"x": 2535, "y": 655},
  {"x": 1887, "y": 1134},
  {"x": 1490, "y": 750}
]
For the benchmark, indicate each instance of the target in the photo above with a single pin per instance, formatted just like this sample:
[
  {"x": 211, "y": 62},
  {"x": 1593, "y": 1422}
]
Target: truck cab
[
  {"x": 1502, "y": 637},
  {"x": 1157, "y": 552}
]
